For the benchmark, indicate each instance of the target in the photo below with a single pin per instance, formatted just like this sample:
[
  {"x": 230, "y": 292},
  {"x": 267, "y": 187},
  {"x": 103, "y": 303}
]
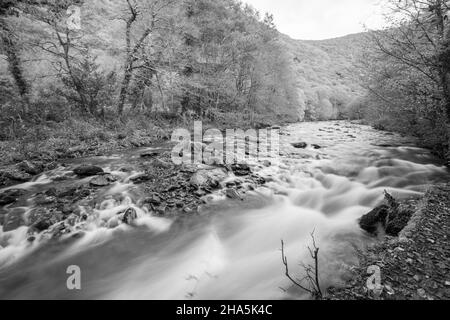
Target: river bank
[{"x": 416, "y": 264}]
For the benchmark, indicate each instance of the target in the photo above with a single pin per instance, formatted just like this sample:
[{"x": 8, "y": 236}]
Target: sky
[{"x": 321, "y": 19}]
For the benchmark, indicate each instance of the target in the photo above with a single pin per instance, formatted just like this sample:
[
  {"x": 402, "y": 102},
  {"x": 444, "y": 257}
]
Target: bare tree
[
  {"x": 419, "y": 38},
  {"x": 310, "y": 282}
]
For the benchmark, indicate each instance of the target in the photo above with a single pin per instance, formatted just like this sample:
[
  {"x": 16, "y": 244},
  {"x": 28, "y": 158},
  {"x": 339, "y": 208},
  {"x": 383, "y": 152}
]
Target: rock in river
[
  {"x": 16, "y": 175},
  {"x": 149, "y": 154},
  {"x": 87, "y": 171},
  {"x": 241, "y": 170},
  {"x": 375, "y": 219},
  {"x": 14, "y": 220},
  {"x": 233, "y": 194},
  {"x": 129, "y": 216},
  {"x": 393, "y": 218},
  {"x": 300, "y": 145},
  {"x": 10, "y": 196},
  {"x": 208, "y": 178},
  {"x": 100, "y": 181},
  {"x": 30, "y": 168}
]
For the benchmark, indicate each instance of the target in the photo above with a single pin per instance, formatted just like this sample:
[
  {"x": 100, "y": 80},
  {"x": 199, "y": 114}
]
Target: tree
[
  {"x": 9, "y": 41},
  {"x": 310, "y": 282},
  {"x": 143, "y": 18}
]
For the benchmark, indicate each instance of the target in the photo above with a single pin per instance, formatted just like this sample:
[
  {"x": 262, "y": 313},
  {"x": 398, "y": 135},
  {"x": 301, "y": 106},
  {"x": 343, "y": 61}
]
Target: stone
[
  {"x": 129, "y": 216},
  {"x": 233, "y": 194},
  {"x": 52, "y": 192},
  {"x": 10, "y": 196},
  {"x": 393, "y": 217},
  {"x": 141, "y": 178},
  {"x": 374, "y": 219},
  {"x": 422, "y": 293},
  {"x": 30, "y": 168},
  {"x": 300, "y": 145},
  {"x": 17, "y": 175},
  {"x": 100, "y": 181},
  {"x": 87, "y": 171},
  {"x": 208, "y": 178},
  {"x": 161, "y": 164},
  {"x": 42, "y": 225},
  {"x": 14, "y": 220},
  {"x": 38, "y": 215},
  {"x": 154, "y": 199},
  {"x": 316, "y": 146},
  {"x": 149, "y": 154},
  {"x": 241, "y": 170}
]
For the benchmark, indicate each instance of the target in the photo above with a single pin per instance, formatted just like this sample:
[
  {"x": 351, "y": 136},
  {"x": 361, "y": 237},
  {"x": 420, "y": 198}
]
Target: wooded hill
[{"x": 220, "y": 61}]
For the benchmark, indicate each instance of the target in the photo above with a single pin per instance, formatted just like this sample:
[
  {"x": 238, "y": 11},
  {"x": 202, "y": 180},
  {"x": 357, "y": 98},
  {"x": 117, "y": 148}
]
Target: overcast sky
[{"x": 321, "y": 19}]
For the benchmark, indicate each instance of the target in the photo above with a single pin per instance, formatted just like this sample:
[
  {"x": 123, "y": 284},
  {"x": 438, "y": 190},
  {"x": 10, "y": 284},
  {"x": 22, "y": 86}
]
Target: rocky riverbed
[
  {"x": 139, "y": 224},
  {"x": 62, "y": 207}
]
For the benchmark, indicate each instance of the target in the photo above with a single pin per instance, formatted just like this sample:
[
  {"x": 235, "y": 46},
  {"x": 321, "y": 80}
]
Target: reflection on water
[{"x": 230, "y": 251}]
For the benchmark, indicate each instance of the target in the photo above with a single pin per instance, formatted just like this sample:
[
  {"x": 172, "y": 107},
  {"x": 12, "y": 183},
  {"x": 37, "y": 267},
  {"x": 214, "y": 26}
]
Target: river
[{"x": 230, "y": 250}]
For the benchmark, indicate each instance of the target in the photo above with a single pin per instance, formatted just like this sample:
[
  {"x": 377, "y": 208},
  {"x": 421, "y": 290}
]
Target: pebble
[{"x": 422, "y": 293}]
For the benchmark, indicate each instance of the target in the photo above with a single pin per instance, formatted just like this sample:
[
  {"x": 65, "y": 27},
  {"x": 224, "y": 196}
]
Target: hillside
[
  {"x": 327, "y": 75},
  {"x": 215, "y": 61}
]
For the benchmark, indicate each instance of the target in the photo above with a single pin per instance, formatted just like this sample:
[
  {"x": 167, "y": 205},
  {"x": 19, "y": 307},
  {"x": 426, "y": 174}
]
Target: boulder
[
  {"x": 300, "y": 145},
  {"x": 154, "y": 199},
  {"x": 208, "y": 178},
  {"x": 141, "y": 178},
  {"x": 43, "y": 199},
  {"x": 233, "y": 194},
  {"x": 41, "y": 217},
  {"x": 30, "y": 168},
  {"x": 393, "y": 217},
  {"x": 13, "y": 220},
  {"x": 372, "y": 221},
  {"x": 149, "y": 154},
  {"x": 241, "y": 170},
  {"x": 100, "y": 181},
  {"x": 87, "y": 171},
  {"x": 42, "y": 225},
  {"x": 10, "y": 196},
  {"x": 17, "y": 175},
  {"x": 129, "y": 216}
]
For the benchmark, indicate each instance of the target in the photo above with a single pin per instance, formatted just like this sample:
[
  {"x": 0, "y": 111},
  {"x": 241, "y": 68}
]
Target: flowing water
[{"x": 230, "y": 250}]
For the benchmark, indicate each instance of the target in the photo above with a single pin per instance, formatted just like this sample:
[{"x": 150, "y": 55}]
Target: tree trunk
[
  {"x": 124, "y": 88},
  {"x": 14, "y": 61}
]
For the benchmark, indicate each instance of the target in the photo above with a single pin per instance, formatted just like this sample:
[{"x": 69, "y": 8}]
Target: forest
[
  {"x": 134, "y": 69},
  {"x": 406, "y": 74}
]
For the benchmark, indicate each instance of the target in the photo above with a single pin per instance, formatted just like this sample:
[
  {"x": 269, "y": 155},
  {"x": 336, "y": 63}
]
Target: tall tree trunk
[
  {"x": 124, "y": 87},
  {"x": 14, "y": 61}
]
